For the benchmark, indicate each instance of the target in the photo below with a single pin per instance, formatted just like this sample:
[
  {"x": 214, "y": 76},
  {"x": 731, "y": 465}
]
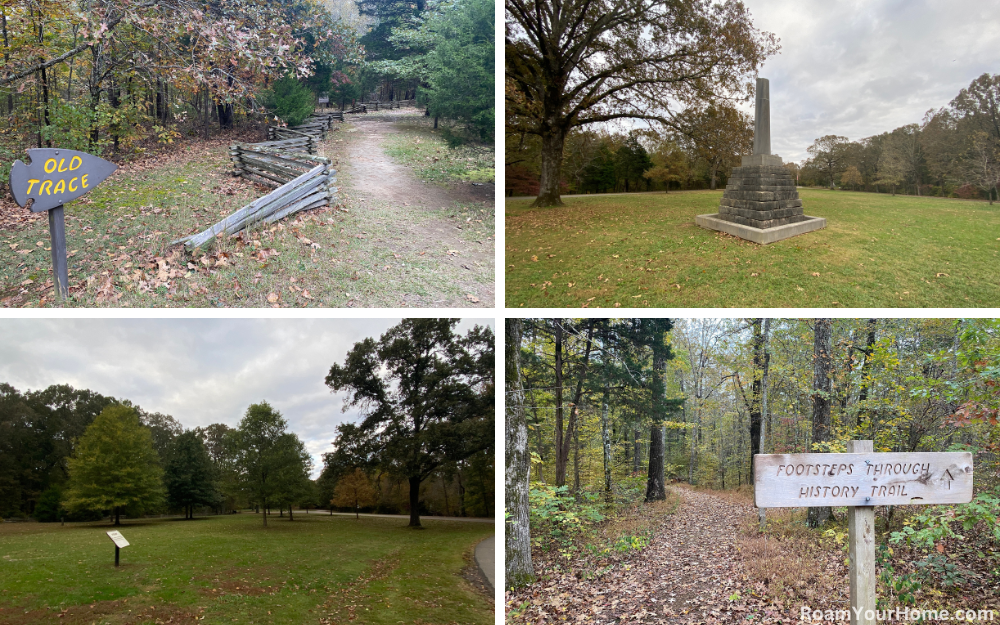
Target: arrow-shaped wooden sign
[{"x": 54, "y": 177}]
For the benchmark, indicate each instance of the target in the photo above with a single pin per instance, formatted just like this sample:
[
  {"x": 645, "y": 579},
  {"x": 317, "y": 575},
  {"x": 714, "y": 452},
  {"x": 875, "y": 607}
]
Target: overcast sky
[
  {"x": 857, "y": 68},
  {"x": 199, "y": 371}
]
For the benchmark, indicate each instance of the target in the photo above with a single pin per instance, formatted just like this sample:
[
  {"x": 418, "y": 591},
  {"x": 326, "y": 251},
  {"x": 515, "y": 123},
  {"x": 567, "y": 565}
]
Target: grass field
[
  {"x": 316, "y": 569},
  {"x": 646, "y": 251}
]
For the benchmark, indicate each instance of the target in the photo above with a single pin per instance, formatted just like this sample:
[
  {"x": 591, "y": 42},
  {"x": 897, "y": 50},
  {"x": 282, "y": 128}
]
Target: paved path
[
  {"x": 486, "y": 559},
  {"x": 406, "y": 516}
]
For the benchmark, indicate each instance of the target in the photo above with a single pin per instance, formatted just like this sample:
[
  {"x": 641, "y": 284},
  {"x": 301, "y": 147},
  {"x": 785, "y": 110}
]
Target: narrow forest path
[
  {"x": 419, "y": 222},
  {"x": 691, "y": 573}
]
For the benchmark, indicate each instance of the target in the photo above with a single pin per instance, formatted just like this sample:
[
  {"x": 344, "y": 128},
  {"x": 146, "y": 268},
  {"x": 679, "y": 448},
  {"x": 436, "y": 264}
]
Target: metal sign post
[
  {"x": 119, "y": 541},
  {"x": 53, "y": 178},
  {"x": 860, "y": 480}
]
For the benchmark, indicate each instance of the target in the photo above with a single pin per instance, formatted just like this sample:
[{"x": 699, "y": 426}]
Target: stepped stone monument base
[{"x": 760, "y": 203}]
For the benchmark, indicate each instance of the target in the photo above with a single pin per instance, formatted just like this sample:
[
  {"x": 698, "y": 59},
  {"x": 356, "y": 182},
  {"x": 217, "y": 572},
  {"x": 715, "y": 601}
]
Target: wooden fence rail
[{"x": 287, "y": 161}]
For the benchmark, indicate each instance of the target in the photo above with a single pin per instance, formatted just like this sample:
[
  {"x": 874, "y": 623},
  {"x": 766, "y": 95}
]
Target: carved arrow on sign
[{"x": 56, "y": 176}]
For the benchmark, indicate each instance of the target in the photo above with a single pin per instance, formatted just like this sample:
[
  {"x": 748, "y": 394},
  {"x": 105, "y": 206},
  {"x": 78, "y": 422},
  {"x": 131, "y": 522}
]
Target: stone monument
[{"x": 760, "y": 203}]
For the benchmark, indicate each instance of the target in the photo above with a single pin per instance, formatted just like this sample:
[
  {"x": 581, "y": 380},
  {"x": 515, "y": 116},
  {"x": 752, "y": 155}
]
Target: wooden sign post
[
  {"x": 53, "y": 178},
  {"x": 119, "y": 541},
  {"x": 860, "y": 480}
]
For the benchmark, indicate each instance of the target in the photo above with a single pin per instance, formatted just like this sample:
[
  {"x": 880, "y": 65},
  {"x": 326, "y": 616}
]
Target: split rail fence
[{"x": 288, "y": 162}]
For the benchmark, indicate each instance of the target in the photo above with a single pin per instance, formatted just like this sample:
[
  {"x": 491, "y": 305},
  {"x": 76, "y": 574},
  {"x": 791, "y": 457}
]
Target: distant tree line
[
  {"x": 698, "y": 154},
  {"x": 424, "y": 446},
  {"x": 953, "y": 152}
]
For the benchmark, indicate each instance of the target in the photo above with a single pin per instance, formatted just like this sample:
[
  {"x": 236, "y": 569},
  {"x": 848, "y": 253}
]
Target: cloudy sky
[
  {"x": 861, "y": 67},
  {"x": 199, "y": 371}
]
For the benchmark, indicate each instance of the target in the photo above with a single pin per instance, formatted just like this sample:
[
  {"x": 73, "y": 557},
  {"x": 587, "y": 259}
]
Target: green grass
[
  {"x": 645, "y": 250},
  {"x": 229, "y": 569},
  {"x": 423, "y": 149}
]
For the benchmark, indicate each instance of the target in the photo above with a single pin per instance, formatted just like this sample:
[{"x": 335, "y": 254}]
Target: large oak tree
[
  {"x": 570, "y": 63},
  {"x": 427, "y": 398}
]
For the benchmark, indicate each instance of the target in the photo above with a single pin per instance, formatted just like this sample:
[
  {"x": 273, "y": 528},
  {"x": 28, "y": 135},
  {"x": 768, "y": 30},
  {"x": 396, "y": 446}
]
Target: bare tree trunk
[
  {"x": 655, "y": 490},
  {"x": 518, "y": 567},
  {"x": 552, "y": 153},
  {"x": 762, "y": 512},
  {"x": 414, "y": 501},
  {"x": 755, "y": 389},
  {"x": 863, "y": 412},
  {"x": 560, "y": 461},
  {"x": 822, "y": 360}
]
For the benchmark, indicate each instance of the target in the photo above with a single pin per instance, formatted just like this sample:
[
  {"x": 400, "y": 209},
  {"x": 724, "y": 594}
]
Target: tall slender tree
[
  {"x": 821, "y": 399},
  {"x": 518, "y": 568}
]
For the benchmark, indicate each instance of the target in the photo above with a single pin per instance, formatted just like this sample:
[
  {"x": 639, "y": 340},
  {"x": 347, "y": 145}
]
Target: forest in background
[
  {"x": 953, "y": 152},
  {"x": 608, "y": 413},
  {"x": 119, "y": 77},
  {"x": 424, "y": 444}
]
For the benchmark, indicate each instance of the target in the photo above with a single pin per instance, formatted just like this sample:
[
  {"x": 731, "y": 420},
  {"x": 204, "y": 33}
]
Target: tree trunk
[
  {"x": 414, "y": 502},
  {"x": 560, "y": 461},
  {"x": 518, "y": 568},
  {"x": 655, "y": 490},
  {"x": 606, "y": 444},
  {"x": 636, "y": 449},
  {"x": 264, "y": 505},
  {"x": 576, "y": 456},
  {"x": 552, "y": 155},
  {"x": 822, "y": 361},
  {"x": 655, "y": 487},
  {"x": 762, "y": 512},
  {"x": 863, "y": 412},
  {"x": 290, "y": 518},
  {"x": 118, "y": 516},
  {"x": 755, "y": 389}
]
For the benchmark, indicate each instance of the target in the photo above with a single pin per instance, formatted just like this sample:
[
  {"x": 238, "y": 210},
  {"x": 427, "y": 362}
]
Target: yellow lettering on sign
[
  {"x": 71, "y": 181},
  {"x": 62, "y": 161},
  {"x": 46, "y": 188},
  {"x": 60, "y": 187},
  {"x": 77, "y": 160},
  {"x": 52, "y": 162},
  {"x": 83, "y": 181},
  {"x": 31, "y": 183}
]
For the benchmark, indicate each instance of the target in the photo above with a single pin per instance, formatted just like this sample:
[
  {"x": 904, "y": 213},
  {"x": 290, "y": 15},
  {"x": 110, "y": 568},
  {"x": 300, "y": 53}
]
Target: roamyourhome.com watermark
[{"x": 899, "y": 615}]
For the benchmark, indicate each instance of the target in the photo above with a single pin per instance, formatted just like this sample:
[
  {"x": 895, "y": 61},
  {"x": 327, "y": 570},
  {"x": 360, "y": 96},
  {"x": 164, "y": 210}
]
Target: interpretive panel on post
[
  {"x": 116, "y": 536},
  {"x": 871, "y": 479}
]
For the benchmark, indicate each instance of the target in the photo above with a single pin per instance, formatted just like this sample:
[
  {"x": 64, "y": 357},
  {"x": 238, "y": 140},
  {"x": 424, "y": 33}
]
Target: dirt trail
[
  {"x": 412, "y": 215},
  {"x": 685, "y": 576}
]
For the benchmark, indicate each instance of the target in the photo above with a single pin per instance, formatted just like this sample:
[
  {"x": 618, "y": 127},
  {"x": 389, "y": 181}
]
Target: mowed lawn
[
  {"x": 646, "y": 251},
  {"x": 315, "y": 569}
]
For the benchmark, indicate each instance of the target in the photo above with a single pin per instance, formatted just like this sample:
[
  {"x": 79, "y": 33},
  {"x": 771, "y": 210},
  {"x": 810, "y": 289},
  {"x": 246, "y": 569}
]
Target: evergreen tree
[
  {"x": 115, "y": 466},
  {"x": 189, "y": 475},
  {"x": 460, "y": 73}
]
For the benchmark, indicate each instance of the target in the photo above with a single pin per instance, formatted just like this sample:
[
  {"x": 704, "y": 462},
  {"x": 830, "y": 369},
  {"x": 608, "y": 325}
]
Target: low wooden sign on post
[
  {"x": 861, "y": 479},
  {"x": 54, "y": 177},
  {"x": 119, "y": 541}
]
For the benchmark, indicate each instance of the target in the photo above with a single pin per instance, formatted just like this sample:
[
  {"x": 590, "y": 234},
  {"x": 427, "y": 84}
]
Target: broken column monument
[{"x": 760, "y": 203}]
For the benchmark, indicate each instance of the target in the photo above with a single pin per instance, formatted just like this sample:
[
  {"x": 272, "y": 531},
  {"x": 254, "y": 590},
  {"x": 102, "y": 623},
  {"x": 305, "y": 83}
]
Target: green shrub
[
  {"x": 555, "y": 513},
  {"x": 290, "y": 100},
  {"x": 49, "y": 507}
]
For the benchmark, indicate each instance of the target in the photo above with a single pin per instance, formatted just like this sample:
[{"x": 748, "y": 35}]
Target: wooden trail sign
[
  {"x": 861, "y": 480},
  {"x": 873, "y": 479},
  {"x": 119, "y": 541},
  {"x": 54, "y": 177}
]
